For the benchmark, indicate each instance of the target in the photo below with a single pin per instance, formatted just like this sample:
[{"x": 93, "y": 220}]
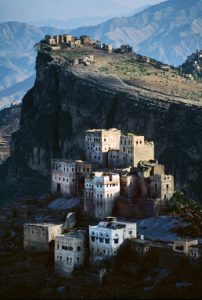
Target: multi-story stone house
[
  {"x": 37, "y": 237},
  {"x": 64, "y": 177},
  {"x": 101, "y": 192},
  {"x": 134, "y": 148},
  {"x": 68, "y": 176},
  {"x": 155, "y": 184},
  {"x": 98, "y": 142},
  {"x": 70, "y": 252}
]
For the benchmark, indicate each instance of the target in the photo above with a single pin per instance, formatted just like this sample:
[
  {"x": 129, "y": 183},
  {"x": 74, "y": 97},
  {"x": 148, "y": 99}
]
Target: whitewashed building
[
  {"x": 106, "y": 237},
  {"x": 37, "y": 237},
  {"x": 100, "y": 194},
  {"x": 70, "y": 252}
]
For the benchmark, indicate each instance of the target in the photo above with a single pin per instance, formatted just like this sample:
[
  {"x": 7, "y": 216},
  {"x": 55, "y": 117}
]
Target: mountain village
[{"x": 118, "y": 168}]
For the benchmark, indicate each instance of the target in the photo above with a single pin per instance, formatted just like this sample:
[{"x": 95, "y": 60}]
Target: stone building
[
  {"x": 155, "y": 184},
  {"x": 101, "y": 192},
  {"x": 98, "y": 142},
  {"x": 70, "y": 252},
  {"x": 64, "y": 177},
  {"x": 183, "y": 246},
  {"x": 128, "y": 185},
  {"x": 83, "y": 169},
  {"x": 106, "y": 237},
  {"x": 37, "y": 237},
  {"x": 113, "y": 158},
  {"x": 67, "y": 38},
  {"x": 195, "y": 251},
  {"x": 85, "y": 40},
  {"x": 161, "y": 187},
  {"x": 68, "y": 176},
  {"x": 134, "y": 148}
]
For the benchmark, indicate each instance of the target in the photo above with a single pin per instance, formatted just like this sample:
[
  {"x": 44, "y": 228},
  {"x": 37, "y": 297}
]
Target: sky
[{"x": 34, "y": 10}]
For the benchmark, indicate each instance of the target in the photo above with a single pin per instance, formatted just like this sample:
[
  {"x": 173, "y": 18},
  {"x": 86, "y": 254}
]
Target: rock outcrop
[{"x": 65, "y": 101}]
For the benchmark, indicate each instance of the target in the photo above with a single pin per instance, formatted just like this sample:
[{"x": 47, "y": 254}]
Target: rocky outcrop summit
[{"x": 66, "y": 100}]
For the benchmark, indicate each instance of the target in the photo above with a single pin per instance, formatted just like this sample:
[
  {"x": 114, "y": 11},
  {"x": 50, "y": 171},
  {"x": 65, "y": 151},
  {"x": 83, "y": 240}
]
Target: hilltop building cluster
[{"x": 67, "y": 41}]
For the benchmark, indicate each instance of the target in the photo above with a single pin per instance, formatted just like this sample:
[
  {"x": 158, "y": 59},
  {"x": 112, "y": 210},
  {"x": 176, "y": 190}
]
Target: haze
[{"x": 35, "y": 10}]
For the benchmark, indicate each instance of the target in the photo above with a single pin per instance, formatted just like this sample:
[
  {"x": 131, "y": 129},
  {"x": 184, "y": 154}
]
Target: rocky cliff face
[{"x": 67, "y": 100}]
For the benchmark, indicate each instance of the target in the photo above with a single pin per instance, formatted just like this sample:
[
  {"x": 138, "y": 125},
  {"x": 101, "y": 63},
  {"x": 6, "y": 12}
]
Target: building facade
[
  {"x": 161, "y": 187},
  {"x": 98, "y": 142},
  {"x": 155, "y": 183},
  {"x": 183, "y": 246},
  {"x": 70, "y": 252},
  {"x": 101, "y": 192},
  {"x": 37, "y": 237},
  {"x": 106, "y": 237},
  {"x": 64, "y": 177},
  {"x": 68, "y": 176},
  {"x": 134, "y": 149}
]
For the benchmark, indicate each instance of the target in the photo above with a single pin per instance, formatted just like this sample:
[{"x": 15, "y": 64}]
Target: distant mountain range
[
  {"x": 17, "y": 59},
  {"x": 169, "y": 32}
]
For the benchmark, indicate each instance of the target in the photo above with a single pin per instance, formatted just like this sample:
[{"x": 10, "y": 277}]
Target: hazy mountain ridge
[
  {"x": 168, "y": 31},
  {"x": 17, "y": 58}
]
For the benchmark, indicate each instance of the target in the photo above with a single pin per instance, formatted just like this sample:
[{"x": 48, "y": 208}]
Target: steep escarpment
[{"x": 67, "y": 100}]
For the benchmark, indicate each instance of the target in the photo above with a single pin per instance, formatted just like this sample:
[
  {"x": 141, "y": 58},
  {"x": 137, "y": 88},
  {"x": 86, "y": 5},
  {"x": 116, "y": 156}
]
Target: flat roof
[
  {"x": 102, "y": 129},
  {"x": 45, "y": 225},
  {"x": 113, "y": 225},
  {"x": 63, "y": 160}
]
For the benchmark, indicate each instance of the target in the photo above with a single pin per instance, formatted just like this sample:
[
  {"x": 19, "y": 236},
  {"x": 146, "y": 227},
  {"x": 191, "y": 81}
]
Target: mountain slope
[{"x": 168, "y": 31}]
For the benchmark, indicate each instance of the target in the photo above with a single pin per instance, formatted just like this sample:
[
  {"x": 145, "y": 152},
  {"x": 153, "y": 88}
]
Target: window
[
  {"x": 58, "y": 247},
  {"x": 78, "y": 248},
  {"x": 70, "y": 248},
  {"x": 107, "y": 241},
  {"x": 116, "y": 241},
  {"x": 101, "y": 240},
  {"x": 78, "y": 259},
  {"x": 64, "y": 247},
  {"x": 92, "y": 238}
]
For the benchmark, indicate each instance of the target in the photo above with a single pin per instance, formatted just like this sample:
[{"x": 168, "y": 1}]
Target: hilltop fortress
[{"x": 118, "y": 169}]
